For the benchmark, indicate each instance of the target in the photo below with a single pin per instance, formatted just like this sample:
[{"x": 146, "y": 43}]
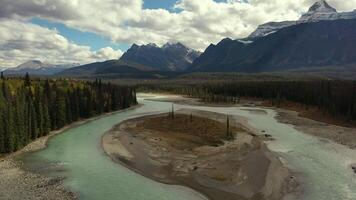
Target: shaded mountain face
[
  {"x": 169, "y": 57},
  {"x": 107, "y": 67},
  {"x": 324, "y": 43},
  {"x": 2, "y": 69},
  {"x": 319, "y": 11},
  {"x": 36, "y": 67}
]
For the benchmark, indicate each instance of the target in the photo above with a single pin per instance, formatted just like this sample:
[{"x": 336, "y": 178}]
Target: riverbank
[
  {"x": 308, "y": 120},
  {"x": 242, "y": 168},
  {"x": 16, "y": 183},
  {"x": 339, "y": 134}
]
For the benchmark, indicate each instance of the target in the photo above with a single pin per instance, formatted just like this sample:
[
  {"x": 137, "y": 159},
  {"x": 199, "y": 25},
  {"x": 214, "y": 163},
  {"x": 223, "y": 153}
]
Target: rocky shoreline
[
  {"x": 341, "y": 135},
  {"x": 17, "y": 183}
]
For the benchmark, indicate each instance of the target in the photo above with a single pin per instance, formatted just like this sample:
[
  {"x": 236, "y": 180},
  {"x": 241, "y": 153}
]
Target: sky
[{"x": 84, "y": 31}]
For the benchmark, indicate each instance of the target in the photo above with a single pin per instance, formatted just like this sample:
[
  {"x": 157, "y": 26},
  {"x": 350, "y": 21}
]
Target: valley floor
[{"x": 17, "y": 183}]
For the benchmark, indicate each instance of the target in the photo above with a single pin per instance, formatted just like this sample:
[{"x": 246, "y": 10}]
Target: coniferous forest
[
  {"x": 335, "y": 97},
  {"x": 31, "y": 108}
]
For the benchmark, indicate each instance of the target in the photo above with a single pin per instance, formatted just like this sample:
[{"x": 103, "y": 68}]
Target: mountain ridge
[
  {"x": 323, "y": 43},
  {"x": 169, "y": 57},
  {"x": 319, "y": 11},
  {"x": 106, "y": 67},
  {"x": 37, "y": 67}
]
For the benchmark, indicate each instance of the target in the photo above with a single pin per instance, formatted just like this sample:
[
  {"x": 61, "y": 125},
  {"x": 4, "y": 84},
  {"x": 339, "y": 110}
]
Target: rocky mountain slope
[
  {"x": 305, "y": 45},
  {"x": 169, "y": 57},
  {"x": 319, "y": 11}
]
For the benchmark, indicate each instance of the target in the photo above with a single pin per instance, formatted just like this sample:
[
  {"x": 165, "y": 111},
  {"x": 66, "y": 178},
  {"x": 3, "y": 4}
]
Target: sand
[{"x": 243, "y": 168}]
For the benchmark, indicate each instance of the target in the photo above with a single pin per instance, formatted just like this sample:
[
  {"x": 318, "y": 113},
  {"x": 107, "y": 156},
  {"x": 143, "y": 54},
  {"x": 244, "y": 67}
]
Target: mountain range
[
  {"x": 321, "y": 38},
  {"x": 319, "y": 42},
  {"x": 169, "y": 57},
  {"x": 319, "y": 11},
  {"x": 36, "y": 67},
  {"x": 145, "y": 61},
  {"x": 107, "y": 67},
  {"x": 307, "y": 45}
]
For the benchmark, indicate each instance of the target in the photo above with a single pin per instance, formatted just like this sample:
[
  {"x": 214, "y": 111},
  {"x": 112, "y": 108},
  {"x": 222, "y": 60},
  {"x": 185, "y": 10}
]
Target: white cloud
[
  {"x": 21, "y": 41},
  {"x": 197, "y": 23},
  {"x": 107, "y": 53}
]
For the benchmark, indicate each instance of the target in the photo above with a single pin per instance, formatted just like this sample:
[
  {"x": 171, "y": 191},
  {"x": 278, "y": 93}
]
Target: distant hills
[
  {"x": 107, "y": 67},
  {"x": 169, "y": 57},
  {"x": 36, "y": 67}
]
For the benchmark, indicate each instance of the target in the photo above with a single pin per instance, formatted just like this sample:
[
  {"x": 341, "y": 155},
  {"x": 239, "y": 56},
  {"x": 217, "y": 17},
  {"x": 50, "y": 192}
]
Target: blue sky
[
  {"x": 93, "y": 40},
  {"x": 154, "y": 4},
  {"x": 96, "y": 41}
]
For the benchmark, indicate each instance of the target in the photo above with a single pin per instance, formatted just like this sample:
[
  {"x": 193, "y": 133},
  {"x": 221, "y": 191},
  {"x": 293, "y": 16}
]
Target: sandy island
[{"x": 202, "y": 159}]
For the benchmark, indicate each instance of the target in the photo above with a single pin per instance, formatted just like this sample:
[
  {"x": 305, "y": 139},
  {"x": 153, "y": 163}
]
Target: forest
[
  {"x": 32, "y": 108},
  {"x": 335, "y": 97}
]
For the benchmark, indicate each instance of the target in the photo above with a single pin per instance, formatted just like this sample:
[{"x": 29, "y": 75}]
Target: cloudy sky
[{"x": 83, "y": 31}]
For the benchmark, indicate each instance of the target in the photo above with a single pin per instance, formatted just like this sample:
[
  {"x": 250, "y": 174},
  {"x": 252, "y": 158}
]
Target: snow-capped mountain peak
[
  {"x": 320, "y": 10},
  {"x": 322, "y": 6},
  {"x": 32, "y": 64},
  {"x": 173, "y": 45},
  {"x": 168, "y": 57},
  {"x": 37, "y": 67}
]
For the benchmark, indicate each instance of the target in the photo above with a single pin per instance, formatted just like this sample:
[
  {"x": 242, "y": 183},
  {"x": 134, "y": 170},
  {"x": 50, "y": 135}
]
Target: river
[{"x": 77, "y": 155}]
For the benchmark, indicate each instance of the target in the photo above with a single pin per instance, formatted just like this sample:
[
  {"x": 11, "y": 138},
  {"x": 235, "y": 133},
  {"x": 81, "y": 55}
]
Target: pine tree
[
  {"x": 228, "y": 132},
  {"x": 60, "y": 108},
  {"x": 2, "y": 125},
  {"x": 172, "y": 112},
  {"x": 27, "y": 80},
  {"x": 46, "y": 119},
  {"x": 8, "y": 118}
]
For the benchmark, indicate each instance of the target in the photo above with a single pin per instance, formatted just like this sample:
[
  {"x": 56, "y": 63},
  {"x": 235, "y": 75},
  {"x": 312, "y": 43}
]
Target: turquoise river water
[{"x": 77, "y": 155}]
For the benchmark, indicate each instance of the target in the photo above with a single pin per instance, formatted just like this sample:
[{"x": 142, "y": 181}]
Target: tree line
[
  {"x": 32, "y": 108},
  {"x": 336, "y": 97}
]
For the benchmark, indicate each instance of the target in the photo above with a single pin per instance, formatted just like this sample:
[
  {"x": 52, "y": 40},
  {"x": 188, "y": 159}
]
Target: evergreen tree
[
  {"x": 228, "y": 134},
  {"x": 32, "y": 108},
  {"x": 27, "y": 80},
  {"x": 2, "y": 122},
  {"x": 60, "y": 108}
]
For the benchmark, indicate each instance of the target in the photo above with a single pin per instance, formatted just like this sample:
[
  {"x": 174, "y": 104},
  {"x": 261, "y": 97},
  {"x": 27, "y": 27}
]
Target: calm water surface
[{"x": 76, "y": 154}]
